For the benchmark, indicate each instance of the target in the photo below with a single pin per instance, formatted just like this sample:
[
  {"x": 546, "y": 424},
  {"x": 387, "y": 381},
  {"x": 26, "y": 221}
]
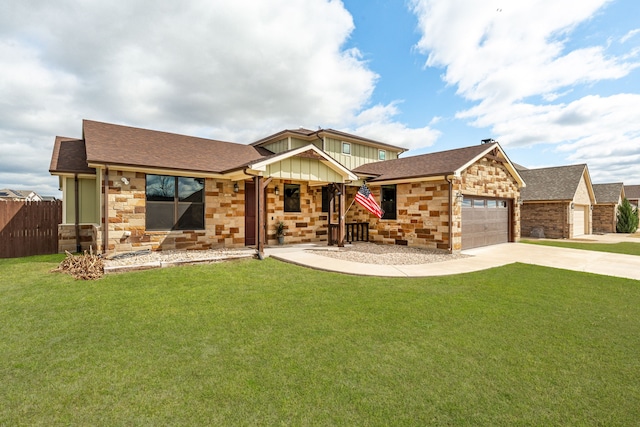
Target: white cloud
[
  {"x": 234, "y": 70},
  {"x": 507, "y": 56}
]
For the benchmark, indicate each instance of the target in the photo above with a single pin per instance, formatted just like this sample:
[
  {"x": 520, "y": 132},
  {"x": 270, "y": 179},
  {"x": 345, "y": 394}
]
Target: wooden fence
[{"x": 29, "y": 228}]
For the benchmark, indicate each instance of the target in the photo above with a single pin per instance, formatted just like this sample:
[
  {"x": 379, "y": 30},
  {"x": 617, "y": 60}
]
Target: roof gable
[
  {"x": 555, "y": 183},
  {"x": 311, "y": 135},
  {"x": 309, "y": 151},
  {"x": 129, "y": 146},
  {"x": 608, "y": 193},
  {"x": 443, "y": 163}
]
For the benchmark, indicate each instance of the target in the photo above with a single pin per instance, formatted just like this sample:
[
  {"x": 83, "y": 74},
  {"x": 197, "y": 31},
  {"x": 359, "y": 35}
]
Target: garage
[
  {"x": 579, "y": 213},
  {"x": 485, "y": 221}
]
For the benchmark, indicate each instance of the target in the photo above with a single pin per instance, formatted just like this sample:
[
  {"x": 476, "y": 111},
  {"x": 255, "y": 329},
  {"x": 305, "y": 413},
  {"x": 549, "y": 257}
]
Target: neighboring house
[
  {"x": 632, "y": 193},
  {"x": 20, "y": 195},
  {"x": 141, "y": 189},
  {"x": 605, "y": 211},
  {"x": 557, "y": 201}
]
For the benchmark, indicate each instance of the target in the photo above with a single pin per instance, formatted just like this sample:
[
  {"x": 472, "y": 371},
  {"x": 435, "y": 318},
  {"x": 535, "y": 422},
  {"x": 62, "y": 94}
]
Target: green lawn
[
  {"x": 628, "y": 248},
  {"x": 266, "y": 343}
]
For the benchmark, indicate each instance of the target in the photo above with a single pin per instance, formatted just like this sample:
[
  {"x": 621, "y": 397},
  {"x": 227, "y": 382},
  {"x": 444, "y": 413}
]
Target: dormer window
[
  {"x": 382, "y": 155},
  {"x": 346, "y": 148}
]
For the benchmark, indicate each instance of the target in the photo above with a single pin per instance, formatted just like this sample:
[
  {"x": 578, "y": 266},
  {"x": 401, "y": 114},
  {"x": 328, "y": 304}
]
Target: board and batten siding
[
  {"x": 89, "y": 201},
  {"x": 299, "y": 168},
  {"x": 360, "y": 154},
  {"x": 290, "y": 144}
]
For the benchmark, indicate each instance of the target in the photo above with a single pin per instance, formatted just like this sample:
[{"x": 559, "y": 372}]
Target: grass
[
  {"x": 266, "y": 343},
  {"x": 629, "y": 248}
]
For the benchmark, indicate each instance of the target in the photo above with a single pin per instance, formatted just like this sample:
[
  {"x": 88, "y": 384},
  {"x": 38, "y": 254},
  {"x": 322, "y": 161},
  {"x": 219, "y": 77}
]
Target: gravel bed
[
  {"x": 146, "y": 257},
  {"x": 371, "y": 253}
]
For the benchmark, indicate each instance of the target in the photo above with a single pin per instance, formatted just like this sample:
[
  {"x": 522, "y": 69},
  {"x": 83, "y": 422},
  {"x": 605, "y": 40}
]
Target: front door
[{"x": 249, "y": 213}]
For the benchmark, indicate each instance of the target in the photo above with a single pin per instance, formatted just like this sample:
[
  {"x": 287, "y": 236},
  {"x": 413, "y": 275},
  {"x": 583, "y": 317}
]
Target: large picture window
[
  {"x": 292, "y": 198},
  {"x": 388, "y": 202},
  {"x": 174, "y": 203}
]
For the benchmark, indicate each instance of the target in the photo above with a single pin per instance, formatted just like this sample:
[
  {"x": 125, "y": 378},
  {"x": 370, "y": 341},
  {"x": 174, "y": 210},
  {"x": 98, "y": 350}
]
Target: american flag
[{"x": 365, "y": 198}]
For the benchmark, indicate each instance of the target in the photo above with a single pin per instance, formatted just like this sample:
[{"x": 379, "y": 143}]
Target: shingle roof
[
  {"x": 425, "y": 165},
  {"x": 129, "y": 146},
  {"x": 632, "y": 191},
  {"x": 608, "y": 193},
  {"x": 556, "y": 183},
  {"x": 69, "y": 156}
]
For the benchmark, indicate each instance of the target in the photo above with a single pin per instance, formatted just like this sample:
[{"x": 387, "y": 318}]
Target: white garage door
[
  {"x": 579, "y": 212},
  {"x": 484, "y": 222}
]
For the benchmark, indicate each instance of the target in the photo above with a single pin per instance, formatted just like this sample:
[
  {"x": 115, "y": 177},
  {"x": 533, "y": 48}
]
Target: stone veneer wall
[
  {"x": 308, "y": 225},
  {"x": 604, "y": 218},
  {"x": 422, "y": 208},
  {"x": 552, "y": 217},
  {"x": 224, "y": 217},
  {"x": 489, "y": 178},
  {"x": 89, "y": 237}
]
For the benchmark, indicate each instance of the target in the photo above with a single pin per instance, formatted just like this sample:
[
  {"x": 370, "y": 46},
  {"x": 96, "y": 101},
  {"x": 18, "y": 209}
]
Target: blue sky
[{"x": 554, "y": 82}]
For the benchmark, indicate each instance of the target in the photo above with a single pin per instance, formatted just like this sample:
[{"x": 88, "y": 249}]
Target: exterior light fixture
[
  {"x": 235, "y": 187},
  {"x": 277, "y": 190},
  {"x": 459, "y": 195},
  {"x": 573, "y": 205},
  {"x": 124, "y": 180}
]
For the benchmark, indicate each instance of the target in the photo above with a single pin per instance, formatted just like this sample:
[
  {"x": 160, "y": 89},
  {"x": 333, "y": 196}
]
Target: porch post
[
  {"x": 341, "y": 217},
  {"x": 260, "y": 235},
  {"x": 332, "y": 203}
]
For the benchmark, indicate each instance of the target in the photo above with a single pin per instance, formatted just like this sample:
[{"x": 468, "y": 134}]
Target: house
[
  {"x": 557, "y": 202},
  {"x": 632, "y": 193},
  {"x": 128, "y": 189},
  {"x": 605, "y": 211},
  {"x": 20, "y": 195}
]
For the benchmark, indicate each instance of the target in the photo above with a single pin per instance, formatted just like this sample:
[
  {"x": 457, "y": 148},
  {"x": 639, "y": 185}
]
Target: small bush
[{"x": 627, "y": 218}]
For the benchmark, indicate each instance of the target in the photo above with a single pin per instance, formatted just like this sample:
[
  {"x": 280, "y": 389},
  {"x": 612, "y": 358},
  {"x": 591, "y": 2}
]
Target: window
[
  {"x": 492, "y": 203},
  {"x": 174, "y": 203},
  {"x": 346, "y": 148},
  {"x": 466, "y": 202},
  {"x": 478, "y": 203},
  {"x": 382, "y": 155},
  {"x": 388, "y": 201},
  {"x": 292, "y": 198}
]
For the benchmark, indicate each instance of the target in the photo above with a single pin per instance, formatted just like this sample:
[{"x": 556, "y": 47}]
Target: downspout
[
  {"x": 77, "y": 212},
  {"x": 450, "y": 213},
  {"x": 105, "y": 232}
]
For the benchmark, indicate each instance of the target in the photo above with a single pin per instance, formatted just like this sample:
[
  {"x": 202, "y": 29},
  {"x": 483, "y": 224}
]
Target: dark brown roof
[
  {"x": 318, "y": 134},
  {"x": 434, "y": 164},
  {"x": 69, "y": 156},
  {"x": 129, "y": 146},
  {"x": 632, "y": 191},
  {"x": 556, "y": 183},
  {"x": 608, "y": 193}
]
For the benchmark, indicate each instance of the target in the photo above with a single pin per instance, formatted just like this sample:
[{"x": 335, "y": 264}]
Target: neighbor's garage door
[
  {"x": 484, "y": 222},
  {"x": 579, "y": 212}
]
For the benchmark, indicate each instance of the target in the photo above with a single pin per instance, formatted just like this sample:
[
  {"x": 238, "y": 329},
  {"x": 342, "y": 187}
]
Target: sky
[{"x": 555, "y": 82}]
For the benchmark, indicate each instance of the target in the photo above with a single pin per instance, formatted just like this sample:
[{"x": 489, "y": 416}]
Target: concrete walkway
[{"x": 627, "y": 266}]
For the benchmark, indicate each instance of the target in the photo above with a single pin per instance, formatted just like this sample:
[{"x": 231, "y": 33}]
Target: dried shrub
[{"x": 87, "y": 266}]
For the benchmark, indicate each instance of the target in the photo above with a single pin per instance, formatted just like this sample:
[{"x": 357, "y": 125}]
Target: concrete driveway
[{"x": 627, "y": 266}]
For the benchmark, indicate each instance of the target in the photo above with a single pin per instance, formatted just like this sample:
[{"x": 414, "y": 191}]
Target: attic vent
[{"x": 488, "y": 141}]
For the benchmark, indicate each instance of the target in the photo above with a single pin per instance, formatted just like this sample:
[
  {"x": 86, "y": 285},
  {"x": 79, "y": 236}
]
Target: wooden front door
[{"x": 249, "y": 213}]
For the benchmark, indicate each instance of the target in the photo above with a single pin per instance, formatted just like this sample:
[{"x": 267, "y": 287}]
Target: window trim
[
  {"x": 382, "y": 155},
  {"x": 177, "y": 204},
  {"x": 389, "y": 214},
  {"x": 346, "y": 148},
  {"x": 286, "y": 207}
]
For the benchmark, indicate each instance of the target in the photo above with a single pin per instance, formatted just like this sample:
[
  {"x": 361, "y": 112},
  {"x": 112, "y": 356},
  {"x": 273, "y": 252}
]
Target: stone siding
[
  {"x": 552, "y": 217},
  {"x": 422, "y": 208},
  {"x": 224, "y": 218},
  {"x": 604, "y": 218},
  {"x": 89, "y": 238}
]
